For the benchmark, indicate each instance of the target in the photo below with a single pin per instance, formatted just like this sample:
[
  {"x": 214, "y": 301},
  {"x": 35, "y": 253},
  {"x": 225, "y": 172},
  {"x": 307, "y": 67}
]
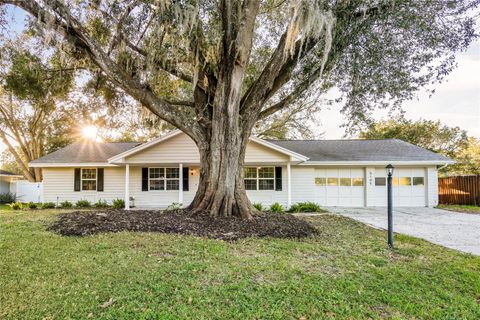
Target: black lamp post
[{"x": 390, "y": 205}]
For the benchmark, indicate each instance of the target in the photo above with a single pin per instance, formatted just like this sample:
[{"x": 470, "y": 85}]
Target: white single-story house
[{"x": 166, "y": 170}]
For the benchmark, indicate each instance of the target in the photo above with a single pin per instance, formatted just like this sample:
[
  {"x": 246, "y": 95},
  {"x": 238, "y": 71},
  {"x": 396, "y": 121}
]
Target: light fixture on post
[{"x": 390, "y": 205}]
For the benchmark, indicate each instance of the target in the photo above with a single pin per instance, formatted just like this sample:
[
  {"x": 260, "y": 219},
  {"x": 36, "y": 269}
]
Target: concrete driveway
[{"x": 460, "y": 231}]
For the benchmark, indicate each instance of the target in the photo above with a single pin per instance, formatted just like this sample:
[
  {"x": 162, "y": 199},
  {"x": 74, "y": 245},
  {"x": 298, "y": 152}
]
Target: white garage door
[
  {"x": 340, "y": 187},
  {"x": 408, "y": 187}
]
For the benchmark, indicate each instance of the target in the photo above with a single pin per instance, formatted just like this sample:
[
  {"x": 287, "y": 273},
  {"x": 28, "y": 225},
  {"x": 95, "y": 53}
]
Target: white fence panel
[{"x": 29, "y": 191}]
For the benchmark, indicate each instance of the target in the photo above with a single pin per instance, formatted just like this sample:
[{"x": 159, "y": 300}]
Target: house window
[
  {"x": 163, "y": 179},
  {"x": 89, "y": 179},
  {"x": 261, "y": 178}
]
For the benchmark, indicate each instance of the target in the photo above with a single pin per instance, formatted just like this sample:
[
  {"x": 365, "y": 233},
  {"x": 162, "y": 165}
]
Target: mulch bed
[{"x": 83, "y": 223}]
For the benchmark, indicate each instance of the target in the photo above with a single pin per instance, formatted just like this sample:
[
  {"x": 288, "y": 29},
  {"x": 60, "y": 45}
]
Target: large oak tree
[{"x": 245, "y": 60}]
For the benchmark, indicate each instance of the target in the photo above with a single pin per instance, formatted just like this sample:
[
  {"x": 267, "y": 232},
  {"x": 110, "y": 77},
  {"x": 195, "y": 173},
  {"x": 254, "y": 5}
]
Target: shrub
[
  {"x": 15, "y": 205},
  {"x": 175, "y": 206},
  {"x": 305, "y": 207},
  {"x": 276, "y": 208},
  {"x": 48, "y": 205},
  {"x": 83, "y": 204},
  {"x": 118, "y": 203},
  {"x": 101, "y": 204},
  {"x": 7, "y": 197},
  {"x": 66, "y": 204},
  {"x": 31, "y": 205},
  {"x": 258, "y": 206}
]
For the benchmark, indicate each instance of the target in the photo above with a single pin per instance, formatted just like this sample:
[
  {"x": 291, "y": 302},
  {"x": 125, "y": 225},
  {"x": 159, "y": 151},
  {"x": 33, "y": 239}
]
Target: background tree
[
  {"x": 243, "y": 61},
  {"x": 42, "y": 110},
  {"x": 428, "y": 134},
  {"x": 452, "y": 142}
]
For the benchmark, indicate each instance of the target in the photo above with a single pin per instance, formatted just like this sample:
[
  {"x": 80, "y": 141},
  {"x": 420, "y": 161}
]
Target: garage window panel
[
  {"x": 405, "y": 181},
  {"x": 332, "y": 182},
  {"x": 357, "y": 182},
  {"x": 418, "y": 181},
  {"x": 380, "y": 181},
  {"x": 345, "y": 182},
  {"x": 320, "y": 181}
]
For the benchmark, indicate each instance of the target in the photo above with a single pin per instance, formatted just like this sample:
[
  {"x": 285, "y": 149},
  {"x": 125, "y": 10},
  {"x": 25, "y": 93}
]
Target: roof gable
[{"x": 183, "y": 148}]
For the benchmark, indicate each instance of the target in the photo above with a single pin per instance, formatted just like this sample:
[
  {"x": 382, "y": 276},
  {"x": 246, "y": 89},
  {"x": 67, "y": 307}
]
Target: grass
[
  {"x": 460, "y": 208},
  {"x": 344, "y": 273}
]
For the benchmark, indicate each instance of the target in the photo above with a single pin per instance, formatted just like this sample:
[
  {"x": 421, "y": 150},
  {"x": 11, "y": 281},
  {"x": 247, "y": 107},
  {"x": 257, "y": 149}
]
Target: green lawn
[
  {"x": 459, "y": 208},
  {"x": 345, "y": 272}
]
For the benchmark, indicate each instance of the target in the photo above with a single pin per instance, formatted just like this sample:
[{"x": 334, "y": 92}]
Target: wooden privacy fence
[{"x": 459, "y": 190}]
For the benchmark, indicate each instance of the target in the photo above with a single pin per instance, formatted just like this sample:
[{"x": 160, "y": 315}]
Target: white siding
[
  {"x": 303, "y": 183},
  {"x": 58, "y": 185},
  {"x": 182, "y": 149},
  {"x": 432, "y": 186}
]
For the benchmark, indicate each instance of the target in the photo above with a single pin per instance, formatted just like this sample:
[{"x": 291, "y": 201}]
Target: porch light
[{"x": 390, "y": 170}]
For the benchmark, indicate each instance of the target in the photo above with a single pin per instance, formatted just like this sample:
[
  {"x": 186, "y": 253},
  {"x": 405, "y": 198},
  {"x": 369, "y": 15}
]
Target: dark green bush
[
  {"x": 276, "y": 208},
  {"x": 48, "y": 205},
  {"x": 7, "y": 197},
  {"x": 31, "y": 205},
  {"x": 66, "y": 204},
  {"x": 305, "y": 207},
  {"x": 118, "y": 203},
  {"x": 83, "y": 204},
  {"x": 101, "y": 204}
]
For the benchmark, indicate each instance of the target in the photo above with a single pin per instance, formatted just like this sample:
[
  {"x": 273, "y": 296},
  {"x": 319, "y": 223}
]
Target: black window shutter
[
  {"x": 185, "y": 178},
  {"x": 100, "y": 179},
  {"x": 278, "y": 178},
  {"x": 76, "y": 182},
  {"x": 144, "y": 179}
]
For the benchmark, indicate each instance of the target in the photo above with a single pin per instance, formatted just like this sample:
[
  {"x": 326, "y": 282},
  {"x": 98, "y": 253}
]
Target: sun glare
[{"x": 90, "y": 132}]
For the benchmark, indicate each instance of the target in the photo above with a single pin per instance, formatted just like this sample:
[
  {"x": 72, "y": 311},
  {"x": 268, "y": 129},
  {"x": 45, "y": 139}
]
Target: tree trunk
[{"x": 221, "y": 191}]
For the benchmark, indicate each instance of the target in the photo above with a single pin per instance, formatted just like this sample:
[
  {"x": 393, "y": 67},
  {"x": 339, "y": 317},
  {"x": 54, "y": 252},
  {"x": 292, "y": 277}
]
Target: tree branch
[{"x": 74, "y": 31}]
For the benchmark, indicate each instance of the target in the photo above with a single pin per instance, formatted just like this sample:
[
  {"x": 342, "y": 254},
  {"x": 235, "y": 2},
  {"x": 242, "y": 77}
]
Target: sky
[{"x": 456, "y": 101}]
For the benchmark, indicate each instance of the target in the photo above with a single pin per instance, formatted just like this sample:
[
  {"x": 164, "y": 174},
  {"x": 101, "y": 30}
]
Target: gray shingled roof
[
  {"x": 85, "y": 152},
  {"x": 359, "y": 150},
  {"x": 315, "y": 150}
]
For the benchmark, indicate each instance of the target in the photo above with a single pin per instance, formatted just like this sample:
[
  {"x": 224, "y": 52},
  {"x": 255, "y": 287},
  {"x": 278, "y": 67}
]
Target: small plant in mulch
[
  {"x": 305, "y": 207},
  {"x": 182, "y": 222},
  {"x": 276, "y": 208},
  {"x": 100, "y": 204},
  {"x": 48, "y": 205},
  {"x": 31, "y": 205},
  {"x": 118, "y": 203},
  {"x": 66, "y": 205},
  {"x": 83, "y": 204},
  {"x": 258, "y": 206}
]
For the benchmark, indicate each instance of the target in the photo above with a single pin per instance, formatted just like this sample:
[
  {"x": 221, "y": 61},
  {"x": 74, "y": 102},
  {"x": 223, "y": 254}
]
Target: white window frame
[
  {"x": 164, "y": 178},
  {"x": 257, "y": 179},
  {"x": 89, "y": 179}
]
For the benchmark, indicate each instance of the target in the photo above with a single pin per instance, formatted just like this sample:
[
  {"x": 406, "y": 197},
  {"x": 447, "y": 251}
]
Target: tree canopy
[
  {"x": 215, "y": 68},
  {"x": 452, "y": 142}
]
